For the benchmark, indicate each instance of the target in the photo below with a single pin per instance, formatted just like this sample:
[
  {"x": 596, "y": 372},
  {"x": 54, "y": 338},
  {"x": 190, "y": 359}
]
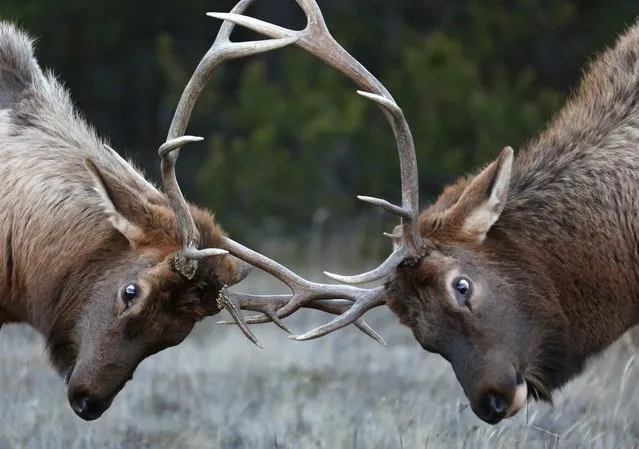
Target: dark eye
[
  {"x": 463, "y": 287},
  {"x": 129, "y": 293}
]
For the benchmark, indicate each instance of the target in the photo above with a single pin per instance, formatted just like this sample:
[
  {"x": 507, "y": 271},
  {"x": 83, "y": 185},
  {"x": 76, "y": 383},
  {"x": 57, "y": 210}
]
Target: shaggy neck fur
[{"x": 573, "y": 206}]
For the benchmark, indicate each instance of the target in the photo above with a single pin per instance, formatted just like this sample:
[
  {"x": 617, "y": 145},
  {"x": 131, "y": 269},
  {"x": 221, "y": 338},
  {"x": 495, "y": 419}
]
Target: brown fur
[
  {"x": 78, "y": 223},
  {"x": 557, "y": 277}
]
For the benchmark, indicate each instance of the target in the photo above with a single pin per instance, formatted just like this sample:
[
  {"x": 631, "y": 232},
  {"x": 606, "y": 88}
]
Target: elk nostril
[
  {"x": 87, "y": 407},
  {"x": 497, "y": 403},
  {"x": 495, "y": 408}
]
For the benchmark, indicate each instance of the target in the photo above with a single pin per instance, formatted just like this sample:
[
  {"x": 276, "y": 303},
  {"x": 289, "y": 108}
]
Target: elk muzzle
[
  {"x": 91, "y": 392},
  {"x": 88, "y": 408},
  {"x": 497, "y": 395},
  {"x": 500, "y": 400},
  {"x": 492, "y": 382}
]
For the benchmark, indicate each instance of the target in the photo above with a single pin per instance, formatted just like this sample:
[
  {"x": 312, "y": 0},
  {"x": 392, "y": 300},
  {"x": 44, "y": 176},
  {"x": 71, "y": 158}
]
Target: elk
[
  {"x": 108, "y": 268},
  {"x": 520, "y": 273}
]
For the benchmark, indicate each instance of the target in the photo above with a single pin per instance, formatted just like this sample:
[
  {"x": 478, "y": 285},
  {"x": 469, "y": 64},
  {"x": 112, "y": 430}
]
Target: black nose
[
  {"x": 494, "y": 408},
  {"x": 87, "y": 407}
]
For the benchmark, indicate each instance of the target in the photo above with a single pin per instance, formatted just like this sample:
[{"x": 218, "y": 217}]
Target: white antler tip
[
  {"x": 215, "y": 252},
  {"x": 187, "y": 139},
  {"x": 172, "y": 144},
  {"x": 296, "y": 337},
  {"x": 363, "y": 93},
  {"x": 337, "y": 277},
  {"x": 386, "y": 102},
  {"x": 199, "y": 254},
  {"x": 397, "y": 210}
]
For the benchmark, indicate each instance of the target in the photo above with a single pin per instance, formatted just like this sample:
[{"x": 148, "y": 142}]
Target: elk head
[
  {"x": 448, "y": 279},
  {"x": 163, "y": 270},
  {"x": 140, "y": 302}
]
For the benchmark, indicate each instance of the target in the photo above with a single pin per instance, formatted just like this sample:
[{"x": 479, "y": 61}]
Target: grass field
[{"x": 217, "y": 390}]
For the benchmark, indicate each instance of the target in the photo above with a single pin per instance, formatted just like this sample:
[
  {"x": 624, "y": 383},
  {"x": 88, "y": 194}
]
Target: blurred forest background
[{"x": 288, "y": 142}]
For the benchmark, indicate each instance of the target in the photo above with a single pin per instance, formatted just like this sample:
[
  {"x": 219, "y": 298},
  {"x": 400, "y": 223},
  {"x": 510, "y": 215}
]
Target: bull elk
[
  {"x": 104, "y": 265},
  {"x": 520, "y": 273}
]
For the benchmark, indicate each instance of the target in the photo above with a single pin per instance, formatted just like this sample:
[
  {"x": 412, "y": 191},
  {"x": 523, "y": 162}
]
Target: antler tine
[
  {"x": 350, "y": 316},
  {"x": 266, "y": 304},
  {"x": 221, "y": 51},
  {"x": 381, "y": 271},
  {"x": 409, "y": 175},
  {"x": 338, "y": 307},
  {"x": 393, "y": 209}
]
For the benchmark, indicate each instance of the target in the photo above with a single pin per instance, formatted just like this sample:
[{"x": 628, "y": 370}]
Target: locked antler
[
  {"x": 186, "y": 260},
  {"x": 409, "y": 247}
]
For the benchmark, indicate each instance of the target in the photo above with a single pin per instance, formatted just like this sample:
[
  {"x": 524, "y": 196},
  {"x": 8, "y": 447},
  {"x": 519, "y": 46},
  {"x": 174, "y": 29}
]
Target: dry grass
[{"x": 343, "y": 391}]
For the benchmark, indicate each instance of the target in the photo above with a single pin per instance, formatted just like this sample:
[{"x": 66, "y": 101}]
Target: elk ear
[
  {"x": 232, "y": 270},
  {"x": 481, "y": 203},
  {"x": 122, "y": 205}
]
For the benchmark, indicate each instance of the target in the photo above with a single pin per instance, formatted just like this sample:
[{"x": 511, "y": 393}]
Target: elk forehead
[
  {"x": 431, "y": 268},
  {"x": 443, "y": 231},
  {"x": 438, "y": 226}
]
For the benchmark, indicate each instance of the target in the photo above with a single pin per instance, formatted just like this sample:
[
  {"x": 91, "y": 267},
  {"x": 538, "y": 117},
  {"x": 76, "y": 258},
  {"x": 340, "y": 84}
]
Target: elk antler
[
  {"x": 221, "y": 51},
  {"x": 409, "y": 247},
  {"x": 186, "y": 260}
]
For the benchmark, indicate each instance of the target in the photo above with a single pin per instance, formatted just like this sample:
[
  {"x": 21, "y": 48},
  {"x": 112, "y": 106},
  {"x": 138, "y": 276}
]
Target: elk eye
[
  {"x": 129, "y": 293},
  {"x": 463, "y": 289},
  {"x": 462, "y": 286}
]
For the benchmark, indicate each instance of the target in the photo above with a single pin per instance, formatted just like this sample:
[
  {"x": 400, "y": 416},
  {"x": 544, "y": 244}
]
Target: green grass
[{"x": 217, "y": 390}]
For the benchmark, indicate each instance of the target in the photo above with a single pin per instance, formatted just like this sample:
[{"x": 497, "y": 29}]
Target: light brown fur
[{"x": 77, "y": 223}]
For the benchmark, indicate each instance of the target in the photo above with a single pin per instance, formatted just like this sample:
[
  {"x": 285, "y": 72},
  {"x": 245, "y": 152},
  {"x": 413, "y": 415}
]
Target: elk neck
[{"x": 572, "y": 214}]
